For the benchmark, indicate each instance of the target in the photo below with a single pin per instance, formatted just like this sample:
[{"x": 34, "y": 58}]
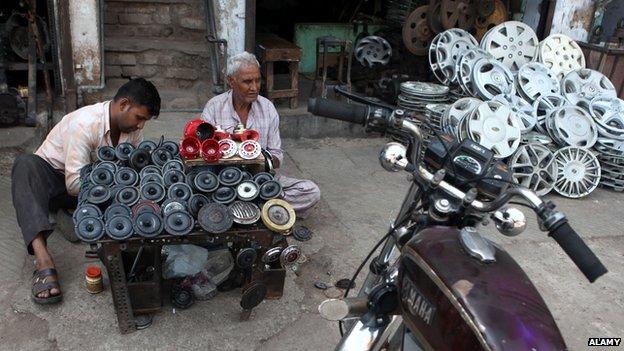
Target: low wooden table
[{"x": 271, "y": 49}]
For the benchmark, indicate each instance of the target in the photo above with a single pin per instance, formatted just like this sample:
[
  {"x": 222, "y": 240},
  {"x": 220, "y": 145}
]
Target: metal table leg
[{"x": 119, "y": 289}]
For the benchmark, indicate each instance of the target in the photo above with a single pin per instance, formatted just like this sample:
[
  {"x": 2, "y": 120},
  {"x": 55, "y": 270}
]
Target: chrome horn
[
  {"x": 509, "y": 221},
  {"x": 393, "y": 157}
]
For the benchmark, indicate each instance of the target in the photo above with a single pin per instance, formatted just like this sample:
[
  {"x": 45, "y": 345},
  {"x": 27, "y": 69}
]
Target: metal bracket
[
  {"x": 119, "y": 289},
  {"x": 218, "y": 68}
]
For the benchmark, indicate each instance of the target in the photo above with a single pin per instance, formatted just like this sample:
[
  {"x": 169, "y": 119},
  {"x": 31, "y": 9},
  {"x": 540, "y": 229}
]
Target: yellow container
[{"x": 93, "y": 276}]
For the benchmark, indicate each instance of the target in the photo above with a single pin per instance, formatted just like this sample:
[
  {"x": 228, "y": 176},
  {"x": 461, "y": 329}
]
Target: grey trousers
[
  {"x": 38, "y": 189},
  {"x": 300, "y": 193}
]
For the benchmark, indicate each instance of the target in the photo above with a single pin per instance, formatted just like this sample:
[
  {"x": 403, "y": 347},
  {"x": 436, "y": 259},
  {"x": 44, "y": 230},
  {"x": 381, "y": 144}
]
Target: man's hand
[{"x": 276, "y": 163}]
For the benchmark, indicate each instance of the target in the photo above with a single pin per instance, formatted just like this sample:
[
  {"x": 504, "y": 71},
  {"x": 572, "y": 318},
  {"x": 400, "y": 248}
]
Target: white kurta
[{"x": 263, "y": 118}]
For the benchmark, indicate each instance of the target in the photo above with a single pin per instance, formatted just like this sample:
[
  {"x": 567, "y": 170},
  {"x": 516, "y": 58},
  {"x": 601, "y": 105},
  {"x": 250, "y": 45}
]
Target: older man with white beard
[{"x": 242, "y": 104}]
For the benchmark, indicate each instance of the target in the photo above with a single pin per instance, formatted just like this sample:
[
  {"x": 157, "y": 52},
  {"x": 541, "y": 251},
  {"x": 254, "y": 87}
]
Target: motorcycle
[{"x": 437, "y": 283}]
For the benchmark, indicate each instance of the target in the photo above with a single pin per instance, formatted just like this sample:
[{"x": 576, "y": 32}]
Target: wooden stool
[
  {"x": 271, "y": 49},
  {"x": 342, "y": 50}
]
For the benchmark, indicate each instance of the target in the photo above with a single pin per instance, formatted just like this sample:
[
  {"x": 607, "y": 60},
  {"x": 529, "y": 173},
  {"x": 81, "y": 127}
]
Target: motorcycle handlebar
[
  {"x": 577, "y": 250},
  {"x": 357, "y": 114},
  {"x": 563, "y": 234}
]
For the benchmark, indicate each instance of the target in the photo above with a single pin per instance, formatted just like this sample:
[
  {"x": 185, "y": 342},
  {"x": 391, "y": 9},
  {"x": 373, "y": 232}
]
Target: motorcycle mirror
[
  {"x": 393, "y": 157},
  {"x": 509, "y": 221}
]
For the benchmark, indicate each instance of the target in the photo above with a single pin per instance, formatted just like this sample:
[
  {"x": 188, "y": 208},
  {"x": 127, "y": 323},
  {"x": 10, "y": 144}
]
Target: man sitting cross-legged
[{"x": 242, "y": 104}]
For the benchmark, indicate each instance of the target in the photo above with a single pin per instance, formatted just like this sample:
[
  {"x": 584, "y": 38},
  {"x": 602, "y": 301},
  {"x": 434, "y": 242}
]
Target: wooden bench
[{"x": 270, "y": 49}]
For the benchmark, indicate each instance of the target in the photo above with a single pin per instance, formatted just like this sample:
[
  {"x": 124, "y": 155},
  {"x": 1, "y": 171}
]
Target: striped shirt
[
  {"x": 263, "y": 118},
  {"x": 73, "y": 142}
]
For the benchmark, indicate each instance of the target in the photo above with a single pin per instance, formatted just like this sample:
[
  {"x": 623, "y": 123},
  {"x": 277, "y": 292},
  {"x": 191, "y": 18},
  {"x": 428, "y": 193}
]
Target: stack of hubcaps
[
  {"x": 415, "y": 96},
  {"x": 559, "y": 124}
]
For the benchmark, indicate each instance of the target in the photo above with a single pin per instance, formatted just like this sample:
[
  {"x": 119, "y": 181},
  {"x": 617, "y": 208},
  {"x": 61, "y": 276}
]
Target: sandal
[{"x": 40, "y": 284}]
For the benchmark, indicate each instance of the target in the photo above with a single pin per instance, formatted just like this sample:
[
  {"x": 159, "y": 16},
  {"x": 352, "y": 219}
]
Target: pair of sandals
[{"x": 41, "y": 282}]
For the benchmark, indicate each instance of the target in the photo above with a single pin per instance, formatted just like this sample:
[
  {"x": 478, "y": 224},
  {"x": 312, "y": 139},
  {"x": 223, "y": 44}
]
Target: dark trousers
[{"x": 38, "y": 189}]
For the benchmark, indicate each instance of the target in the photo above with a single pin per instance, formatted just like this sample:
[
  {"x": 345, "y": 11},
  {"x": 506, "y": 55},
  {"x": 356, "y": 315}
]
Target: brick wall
[{"x": 162, "y": 41}]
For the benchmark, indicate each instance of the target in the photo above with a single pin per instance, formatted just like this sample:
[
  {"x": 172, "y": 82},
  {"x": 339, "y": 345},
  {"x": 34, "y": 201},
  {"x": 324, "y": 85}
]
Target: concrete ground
[{"x": 358, "y": 203}]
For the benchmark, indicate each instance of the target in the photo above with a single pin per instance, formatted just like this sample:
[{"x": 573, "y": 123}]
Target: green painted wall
[{"x": 306, "y": 34}]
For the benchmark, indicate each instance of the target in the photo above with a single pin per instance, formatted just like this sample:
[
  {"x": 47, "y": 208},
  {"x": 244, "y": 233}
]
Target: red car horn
[
  {"x": 210, "y": 150},
  {"x": 249, "y": 134},
  {"x": 220, "y": 134},
  {"x": 190, "y": 147}
]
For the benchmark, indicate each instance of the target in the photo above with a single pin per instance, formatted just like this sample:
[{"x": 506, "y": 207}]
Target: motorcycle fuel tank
[{"x": 451, "y": 301}]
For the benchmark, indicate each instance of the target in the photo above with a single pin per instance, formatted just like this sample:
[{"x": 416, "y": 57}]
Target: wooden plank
[
  {"x": 606, "y": 64},
  {"x": 275, "y": 94},
  {"x": 269, "y": 76},
  {"x": 23, "y": 66},
  {"x": 593, "y": 59},
  {"x": 250, "y": 25},
  {"x": 282, "y": 55},
  {"x": 273, "y": 48},
  {"x": 236, "y": 160},
  {"x": 617, "y": 76},
  {"x": 67, "y": 59},
  {"x": 31, "y": 119},
  {"x": 269, "y": 42},
  {"x": 293, "y": 69},
  {"x": 549, "y": 17},
  {"x": 601, "y": 48}
]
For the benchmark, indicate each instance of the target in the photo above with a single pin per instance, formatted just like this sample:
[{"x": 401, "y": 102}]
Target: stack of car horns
[
  {"x": 202, "y": 139},
  {"x": 147, "y": 191}
]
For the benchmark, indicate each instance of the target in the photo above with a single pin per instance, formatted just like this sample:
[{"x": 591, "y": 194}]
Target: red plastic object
[
  {"x": 249, "y": 147},
  {"x": 237, "y": 132},
  {"x": 200, "y": 129},
  {"x": 220, "y": 134},
  {"x": 190, "y": 147},
  {"x": 94, "y": 272},
  {"x": 225, "y": 146},
  {"x": 236, "y": 136},
  {"x": 250, "y": 134},
  {"x": 210, "y": 150}
]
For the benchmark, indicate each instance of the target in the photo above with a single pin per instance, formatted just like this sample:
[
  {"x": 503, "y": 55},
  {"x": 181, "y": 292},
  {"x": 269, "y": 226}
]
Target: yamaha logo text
[{"x": 416, "y": 303}]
